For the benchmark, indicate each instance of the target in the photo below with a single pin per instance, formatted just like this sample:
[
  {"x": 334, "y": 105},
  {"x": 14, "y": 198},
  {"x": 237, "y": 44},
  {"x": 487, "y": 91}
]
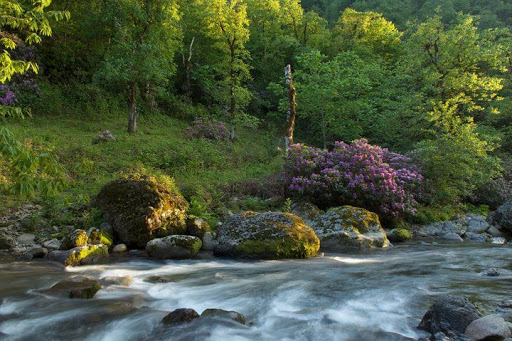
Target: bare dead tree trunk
[
  {"x": 187, "y": 64},
  {"x": 292, "y": 108},
  {"x": 132, "y": 110},
  {"x": 232, "y": 106}
]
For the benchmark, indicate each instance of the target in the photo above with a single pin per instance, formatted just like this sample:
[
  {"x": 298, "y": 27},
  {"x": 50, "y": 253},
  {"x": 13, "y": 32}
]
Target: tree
[
  {"x": 228, "y": 24},
  {"x": 145, "y": 38},
  {"x": 29, "y": 170}
]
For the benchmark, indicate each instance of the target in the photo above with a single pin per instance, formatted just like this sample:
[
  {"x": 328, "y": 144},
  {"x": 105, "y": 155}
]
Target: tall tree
[
  {"x": 145, "y": 39},
  {"x": 229, "y": 25}
]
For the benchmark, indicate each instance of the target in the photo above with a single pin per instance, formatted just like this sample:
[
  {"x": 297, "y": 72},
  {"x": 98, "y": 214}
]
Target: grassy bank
[{"x": 203, "y": 169}]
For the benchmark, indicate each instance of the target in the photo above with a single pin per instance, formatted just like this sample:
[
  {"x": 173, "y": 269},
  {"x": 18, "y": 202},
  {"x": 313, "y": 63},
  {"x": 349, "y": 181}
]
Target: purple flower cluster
[
  {"x": 358, "y": 174},
  {"x": 106, "y": 136},
  {"x": 208, "y": 129},
  {"x": 7, "y": 96}
]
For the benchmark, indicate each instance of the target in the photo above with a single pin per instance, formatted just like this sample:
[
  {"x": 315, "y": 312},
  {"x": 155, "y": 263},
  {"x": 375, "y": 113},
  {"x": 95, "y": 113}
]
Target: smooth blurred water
[{"x": 380, "y": 295}]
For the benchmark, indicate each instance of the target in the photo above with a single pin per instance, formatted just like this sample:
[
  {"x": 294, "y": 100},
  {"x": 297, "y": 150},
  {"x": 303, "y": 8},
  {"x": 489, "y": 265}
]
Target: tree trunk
[
  {"x": 187, "y": 64},
  {"x": 132, "y": 110},
  {"x": 232, "y": 106},
  {"x": 292, "y": 108}
]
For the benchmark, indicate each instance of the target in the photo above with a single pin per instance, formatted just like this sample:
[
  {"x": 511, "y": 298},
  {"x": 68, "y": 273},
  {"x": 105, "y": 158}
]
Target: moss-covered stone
[
  {"x": 78, "y": 287},
  {"x": 5, "y": 242},
  {"x": 141, "y": 208},
  {"x": 174, "y": 247},
  {"x": 197, "y": 227},
  {"x": 86, "y": 255},
  {"x": 349, "y": 227},
  {"x": 272, "y": 235},
  {"x": 74, "y": 239},
  {"x": 98, "y": 236},
  {"x": 399, "y": 235}
]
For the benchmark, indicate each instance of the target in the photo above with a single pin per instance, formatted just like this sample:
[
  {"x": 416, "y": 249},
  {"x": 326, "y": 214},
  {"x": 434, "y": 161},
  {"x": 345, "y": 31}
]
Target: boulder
[
  {"x": 307, "y": 211},
  {"x": 348, "y": 227},
  {"x": 107, "y": 228},
  {"x": 477, "y": 224},
  {"x": 197, "y": 227},
  {"x": 453, "y": 237},
  {"x": 498, "y": 240},
  {"x": 224, "y": 314},
  {"x": 77, "y": 287},
  {"x": 399, "y": 235},
  {"x": 182, "y": 315},
  {"x": 439, "y": 229},
  {"x": 493, "y": 231},
  {"x": 208, "y": 241},
  {"x": 503, "y": 216},
  {"x": 491, "y": 327},
  {"x": 450, "y": 314},
  {"x": 52, "y": 244},
  {"x": 271, "y": 235},
  {"x": 37, "y": 252},
  {"x": 26, "y": 239},
  {"x": 74, "y": 239},
  {"x": 174, "y": 247},
  {"x": 475, "y": 237},
  {"x": 141, "y": 209},
  {"x": 6, "y": 242},
  {"x": 120, "y": 248},
  {"x": 97, "y": 236},
  {"x": 82, "y": 255}
]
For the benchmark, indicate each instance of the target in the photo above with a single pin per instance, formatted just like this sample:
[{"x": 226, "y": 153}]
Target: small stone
[
  {"x": 180, "y": 316},
  {"x": 97, "y": 236},
  {"x": 120, "y": 248},
  {"x": 481, "y": 238},
  {"x": 197, "y": 227},
  {"x": 493, "y": 231},
  {"x": 77, "y": 287},
  {"x": 208, "y": 241},
  {"x": 112, "y": 280},
  {"x": 224, "y": 314},
  {"x": 453, "y": 237},
  {"x": 491, "y": 327},
  {"x": 174, "y": 247},
  {"x": 37, "y": 252},
  {"x": 498, "y": 240},
  {"x": 26, "y": 239},
  {"x": 52, "y": 244}
]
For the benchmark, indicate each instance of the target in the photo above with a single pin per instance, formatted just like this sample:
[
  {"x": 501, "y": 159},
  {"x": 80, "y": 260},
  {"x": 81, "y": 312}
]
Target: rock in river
[
  {"x": 271, "y": 235},
  {"x": 491, "y": 327},
  {"x": 174, "y": 247}
]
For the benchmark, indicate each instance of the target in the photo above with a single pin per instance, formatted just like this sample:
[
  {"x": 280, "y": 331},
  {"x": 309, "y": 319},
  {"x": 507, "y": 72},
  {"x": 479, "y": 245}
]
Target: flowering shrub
[
  {"x": 358, "y": 174},
  {"x": 7, "y": 96},
  {"x": 208, "y": 129},
  {"x": 105, "y": 137}
]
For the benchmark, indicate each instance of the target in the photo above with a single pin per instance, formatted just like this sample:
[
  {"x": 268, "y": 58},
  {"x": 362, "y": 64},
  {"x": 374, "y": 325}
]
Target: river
[{"x": 378, "y": 295}]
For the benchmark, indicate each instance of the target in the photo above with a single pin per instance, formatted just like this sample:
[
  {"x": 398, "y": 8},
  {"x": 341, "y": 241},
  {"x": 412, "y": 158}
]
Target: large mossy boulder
[
  {"x": 81, "y": 255},
  {"x": 503, "y": 216},
  {"x": 77, "y": 287},
  {"x": 74, "y": 239},
  {"x": 272, "y": 235},
  {"x": 344, "y": 228},
  {"x": 174, "y": 247},
  {"x": 143, "y": 208}
]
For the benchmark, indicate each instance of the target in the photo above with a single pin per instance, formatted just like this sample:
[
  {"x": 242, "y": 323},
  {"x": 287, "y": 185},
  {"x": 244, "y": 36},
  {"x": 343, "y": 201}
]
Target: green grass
[{"x": 161, "y": 146}]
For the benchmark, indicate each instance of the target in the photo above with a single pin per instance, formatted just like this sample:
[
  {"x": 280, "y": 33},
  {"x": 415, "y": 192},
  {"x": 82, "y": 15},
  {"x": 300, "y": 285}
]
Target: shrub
[
  {"x": 493, "y": 193},
  {"x": 208, "y": 129},
  {"x": 357, "y": 174}
]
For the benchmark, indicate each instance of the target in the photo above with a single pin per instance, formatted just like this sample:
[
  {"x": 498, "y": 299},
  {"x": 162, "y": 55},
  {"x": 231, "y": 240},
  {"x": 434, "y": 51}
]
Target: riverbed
[{"x": 376, "y": 295}]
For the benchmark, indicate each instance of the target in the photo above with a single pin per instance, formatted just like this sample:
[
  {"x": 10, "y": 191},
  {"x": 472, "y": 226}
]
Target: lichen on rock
[{"x": 272, "y": 235}]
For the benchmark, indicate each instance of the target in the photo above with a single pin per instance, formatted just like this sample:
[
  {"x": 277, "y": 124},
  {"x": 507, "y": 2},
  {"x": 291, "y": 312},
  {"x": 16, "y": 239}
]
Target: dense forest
[{"x": 427, "y": 79}]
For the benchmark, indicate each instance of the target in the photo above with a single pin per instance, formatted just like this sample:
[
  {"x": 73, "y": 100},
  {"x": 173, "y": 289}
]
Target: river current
[{"x": 378, "y": 295}]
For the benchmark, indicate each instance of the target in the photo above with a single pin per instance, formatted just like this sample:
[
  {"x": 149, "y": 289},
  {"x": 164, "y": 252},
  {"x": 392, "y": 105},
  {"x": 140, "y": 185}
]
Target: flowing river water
[{"x": 379, "y": 295}]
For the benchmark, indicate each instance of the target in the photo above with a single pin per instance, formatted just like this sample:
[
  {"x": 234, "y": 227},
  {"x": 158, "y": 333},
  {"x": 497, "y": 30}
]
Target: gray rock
[
  {"x": 438, "y": 230},
  {"x": 37, "y": 252},
  {"x": 307, "y": 211},
  {"x": 450, "y": 314},
  {"x": 174, "y": 247},
  {"x": 495, "y": 272},
  {"x": 182, "y": 315},
  {"x": 224, "y": 314},
  {"x": 107, "y": 228},
  {"x": 481, "y": 238},
  {"x": 347, "y": 227},
  {"x": 477, "y": 224},
  {"x": 112, "y": 280},
  {"x": 208, "y": 241},
  {"x": 26, "y": 239},
  {"x": 120, "y": 248},
  {"x": 453, "y": 237},
  {"x": 493, "y": 231},
  {"x": 440, "y": 337},
  {"x": 77, "y": 287},
  {"x": 271, "y": 235},
  {"x": 503, "y": 216},
  {"x": 82, "y": 255},
  {"x": 491, "y": 327},
  {"x": 6, "y": 242},
  {"x": 52, "y": 244},
  {"x": 498, "y": 240}
]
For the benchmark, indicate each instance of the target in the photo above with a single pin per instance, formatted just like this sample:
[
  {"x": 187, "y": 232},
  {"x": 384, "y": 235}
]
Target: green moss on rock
[
  {"x": 100, "y": 237},
  {"x": 86, "y": 255},
  {"x": 399, "y": 235},
  {"x": 141, "y": 208},
  {"x": 273, "y": 235},
  {"x": 74, "y": 239}
]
